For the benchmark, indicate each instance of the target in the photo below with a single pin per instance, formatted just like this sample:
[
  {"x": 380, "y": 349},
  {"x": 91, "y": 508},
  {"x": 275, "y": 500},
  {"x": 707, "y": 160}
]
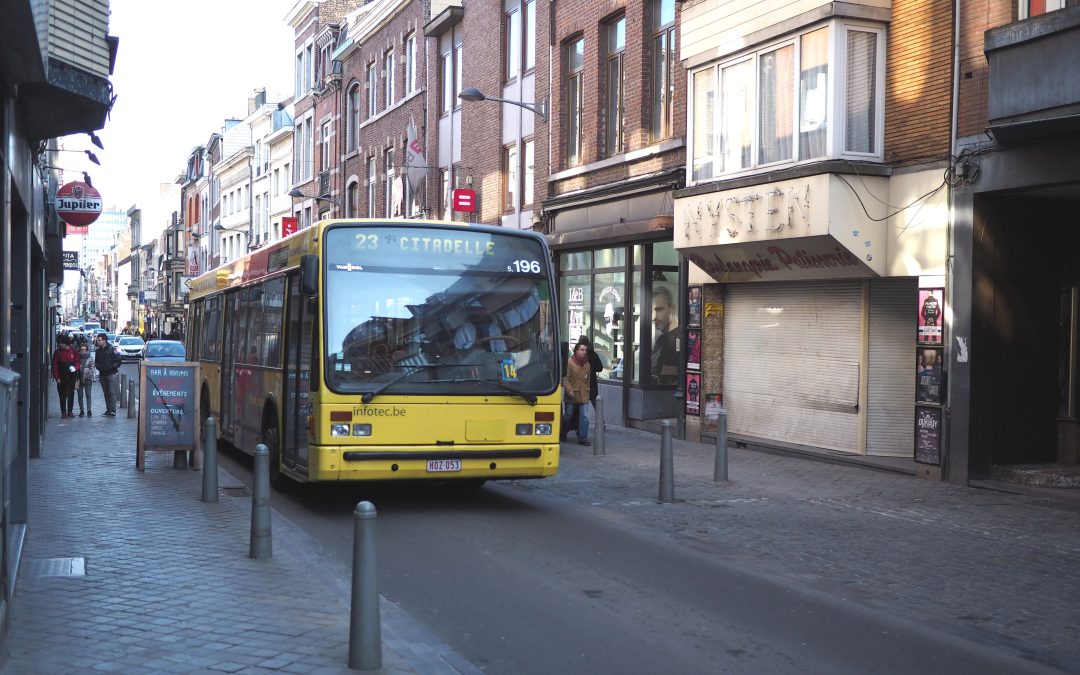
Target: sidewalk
[
  {"x": 990, "y": 566},
  {"x": 131, "y": 572}
]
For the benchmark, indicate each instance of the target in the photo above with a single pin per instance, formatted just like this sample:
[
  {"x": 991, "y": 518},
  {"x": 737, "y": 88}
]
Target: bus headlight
[
  {"x": 523, "y": 430},
  {"x": 339, "y": 429},
  {"x": 543, "y": 429},
  {"x": 361, "y": 430}
]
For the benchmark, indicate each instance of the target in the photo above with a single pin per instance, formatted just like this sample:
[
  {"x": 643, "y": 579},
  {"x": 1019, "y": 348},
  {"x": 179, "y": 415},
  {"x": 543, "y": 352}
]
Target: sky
[{"x": 181, "y": 70}]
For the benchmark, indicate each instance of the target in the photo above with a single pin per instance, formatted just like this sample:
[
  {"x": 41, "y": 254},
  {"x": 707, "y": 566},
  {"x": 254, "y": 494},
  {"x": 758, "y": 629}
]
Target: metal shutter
[
  {"x": 791, "y": 362},
  {"x": 890, "y": 401}
]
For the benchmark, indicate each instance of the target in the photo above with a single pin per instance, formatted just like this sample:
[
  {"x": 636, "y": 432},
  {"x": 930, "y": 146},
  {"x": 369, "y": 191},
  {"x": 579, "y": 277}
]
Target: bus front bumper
[{"x": 346, "y": 463}]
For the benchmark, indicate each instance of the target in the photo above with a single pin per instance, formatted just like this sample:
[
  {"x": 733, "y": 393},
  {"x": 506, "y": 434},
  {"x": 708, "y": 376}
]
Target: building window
[
  {"x": 372, "y": 89},
  {"x": 575, "y": 69},
  {"x": 528, "y": 175},
  {"x": 774, "y": 106},
  {"x": 512, "y": 59},
  {"x": 305, "y": 150},
  {"x": 1030, "y": 8},
  {"x": 511, "y": 177},
  {"x": 450, "y": 70},
  {"x": 663, "y": 55},
  {"x": 354, "y": 118},
  {"x": 410, "y": 63},
  {"x": 371, "y": 180},
  {"x": 309, "y": 67},
  {"x": 613, "y": 108},
  {"x": 352, "y": 200},
  {"x": 324, "y": 151},
  {"x": 444, "y": 194},
  {"x": 388, "y": 67},
  {"x": 388, "y": 197},
  {"x": 528, "y": 29}
]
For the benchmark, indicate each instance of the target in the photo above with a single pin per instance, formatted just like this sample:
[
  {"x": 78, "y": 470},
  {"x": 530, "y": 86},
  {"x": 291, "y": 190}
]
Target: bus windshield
[{"x": 430, "y": 310}]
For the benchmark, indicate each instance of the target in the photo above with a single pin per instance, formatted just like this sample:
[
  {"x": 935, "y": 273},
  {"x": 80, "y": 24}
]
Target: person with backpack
[
  {"x": 88, "y": 375},
  {"x": 65, "y": 370},
  {"x": 108, "y": 360}
]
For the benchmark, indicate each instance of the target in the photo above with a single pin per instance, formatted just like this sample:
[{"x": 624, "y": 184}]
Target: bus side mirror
[{"x": 309, "y": 275}]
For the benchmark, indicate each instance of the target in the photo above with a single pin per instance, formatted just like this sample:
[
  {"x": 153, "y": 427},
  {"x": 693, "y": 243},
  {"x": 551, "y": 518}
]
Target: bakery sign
[{"x": 77, "y": 203}]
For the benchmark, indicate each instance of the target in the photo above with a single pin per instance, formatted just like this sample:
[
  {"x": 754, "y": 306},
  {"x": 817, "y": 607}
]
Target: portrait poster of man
[
  {"x": 931, "y": 316},
  {"x": 693, "y": 393},
  {"x": 665, "y": 348},
  {"x": 928, "y": 376}
]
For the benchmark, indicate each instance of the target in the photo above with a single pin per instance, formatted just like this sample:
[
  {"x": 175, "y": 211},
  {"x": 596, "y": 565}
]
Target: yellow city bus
[{"x": 385, "y": 350}]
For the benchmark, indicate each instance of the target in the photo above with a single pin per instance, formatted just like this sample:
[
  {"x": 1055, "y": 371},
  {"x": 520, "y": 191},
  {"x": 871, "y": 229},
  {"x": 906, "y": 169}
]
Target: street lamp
[
  {"x": 474, "y": 94},
  {"x": 295, "y": 193}
]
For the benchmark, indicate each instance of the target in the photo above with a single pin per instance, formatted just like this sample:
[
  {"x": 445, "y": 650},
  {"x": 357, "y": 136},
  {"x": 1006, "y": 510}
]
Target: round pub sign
[{"x": 78, "y": 204}]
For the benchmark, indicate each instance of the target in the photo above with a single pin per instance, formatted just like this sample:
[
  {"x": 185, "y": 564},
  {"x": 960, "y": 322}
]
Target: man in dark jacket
[{"x": 108, "y": 365}]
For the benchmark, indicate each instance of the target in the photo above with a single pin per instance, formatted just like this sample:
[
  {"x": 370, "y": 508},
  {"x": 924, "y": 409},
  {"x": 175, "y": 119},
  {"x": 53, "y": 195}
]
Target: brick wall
[
  {"x": 918, "y": 82},
  {"x": 977, "y": 17},
  {"x": 589, "y": 19},
  {"x": 388, "y": 127}
]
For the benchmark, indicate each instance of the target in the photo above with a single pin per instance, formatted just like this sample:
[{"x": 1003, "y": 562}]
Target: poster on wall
[
  {"x": 928, "y": 376},
  {"x": 693, "y": 393},
  {"x": 927, "y": 434},
  {"x": 712, "y": 407},
  {"x": 931, "y": 316},
  {"x": 575, "y": 312},
  {"x": 693, "y": 349},
  {"x": 693, "y": 306}
]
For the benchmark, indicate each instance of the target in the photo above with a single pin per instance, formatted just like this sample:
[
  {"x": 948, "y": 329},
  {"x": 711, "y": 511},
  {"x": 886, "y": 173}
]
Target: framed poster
[
  {"x": 928, "y": 384},
  {"x": 931, "y": 316},
  {"x": 693, "y": 393},
  {"x": 927, "y": 434},
  {"x": 693, "y": 349},
  {"x": 693, "y": 306}
]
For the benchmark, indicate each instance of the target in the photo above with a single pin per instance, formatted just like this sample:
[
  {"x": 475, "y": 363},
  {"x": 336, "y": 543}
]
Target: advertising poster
[
  {"x": 712, "y": 407},
  {"x": 927, "y": 434},
  {"x": 693, "y": 306},
  {"x": 928, "y": 376},
  {"x": 693, "y": 393},
  {"x": 575, "y": 312},
  {"x": 931, "y": 316},
  {"x": 693, "y": 349}
]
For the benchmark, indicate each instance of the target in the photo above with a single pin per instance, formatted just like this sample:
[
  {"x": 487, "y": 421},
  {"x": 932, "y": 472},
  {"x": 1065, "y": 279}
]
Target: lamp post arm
[{"x": 537, "y": 108}]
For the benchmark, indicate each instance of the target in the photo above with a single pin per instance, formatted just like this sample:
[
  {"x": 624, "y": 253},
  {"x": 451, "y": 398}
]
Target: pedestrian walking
[
  {"x": 65, "y": 370},
  {"x": 576, "y": 390},
  {"x": 88, "y": 375},
  {"x": 595, "y": 367},
  {"x": 108, "y": 361}
]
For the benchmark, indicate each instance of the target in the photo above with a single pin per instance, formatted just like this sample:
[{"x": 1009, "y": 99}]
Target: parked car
[
  {"x": 91, "y": 328},
  {"x": 165, "y": 350},
  {"x": 131, "y": 347}
]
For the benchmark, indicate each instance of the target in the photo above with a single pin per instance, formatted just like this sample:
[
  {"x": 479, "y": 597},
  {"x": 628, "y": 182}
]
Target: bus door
[
  {"x": 231, "y": 310},
  {"x": 299, "y": 334}
]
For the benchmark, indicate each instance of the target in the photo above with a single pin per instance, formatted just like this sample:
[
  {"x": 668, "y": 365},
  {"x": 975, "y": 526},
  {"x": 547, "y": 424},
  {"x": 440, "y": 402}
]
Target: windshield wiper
[
  {"x": 413, "y": 368},
  {"x": 529, "y": 398}
]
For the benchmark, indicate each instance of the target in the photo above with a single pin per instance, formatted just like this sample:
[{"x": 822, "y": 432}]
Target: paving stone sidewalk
[
  {"x": 168, "y": 586},
  {"x": 996, "y": 568}
]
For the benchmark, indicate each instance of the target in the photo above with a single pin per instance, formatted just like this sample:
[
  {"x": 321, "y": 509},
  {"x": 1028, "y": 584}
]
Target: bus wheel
[{"x": 271, "y": 438}]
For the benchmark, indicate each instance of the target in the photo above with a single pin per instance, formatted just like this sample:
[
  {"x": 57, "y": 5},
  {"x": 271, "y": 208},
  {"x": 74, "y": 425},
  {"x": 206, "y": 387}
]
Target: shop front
[
  {"x": 620, "y": 281},
  {"x": 810, "y": 331}
]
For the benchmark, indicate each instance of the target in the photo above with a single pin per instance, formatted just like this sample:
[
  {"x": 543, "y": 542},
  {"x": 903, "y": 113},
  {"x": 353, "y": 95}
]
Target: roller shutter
[
  {"x": 791, "y": 362},
  {"x": 890, "y": 401}
]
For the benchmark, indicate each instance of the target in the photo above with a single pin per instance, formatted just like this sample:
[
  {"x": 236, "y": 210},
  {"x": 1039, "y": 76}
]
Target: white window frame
[
  {"x": 372, "y": 90},
  {"x": 324, "y": 150},
  {"x": 410, "y": 63},
  {"x": 388, "y": 67},
  {"x": 836, "y": 96},
  {"x": 1051, "y": 6}
]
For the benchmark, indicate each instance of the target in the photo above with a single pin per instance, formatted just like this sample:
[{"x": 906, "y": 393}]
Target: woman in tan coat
[{"x": 576, "y": 388}]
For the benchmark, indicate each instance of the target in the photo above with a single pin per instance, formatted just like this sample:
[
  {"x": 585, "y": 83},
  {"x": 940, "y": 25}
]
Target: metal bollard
[
  {"x": 720, "y": 469},
  {"x": 261, "y": 537},
  {"x": 667, "y": 464},
  {"x": 598, "y": 442},
  {"x": 124, "y": 389},
  {"x": 365, "y": 634},
  {"x": 132, "y": 406},
  {"x": 210, "y": 470}
]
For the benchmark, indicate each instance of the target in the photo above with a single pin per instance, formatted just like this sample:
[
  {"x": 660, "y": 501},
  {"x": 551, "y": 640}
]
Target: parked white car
[{"x": 131, "y": 347}]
